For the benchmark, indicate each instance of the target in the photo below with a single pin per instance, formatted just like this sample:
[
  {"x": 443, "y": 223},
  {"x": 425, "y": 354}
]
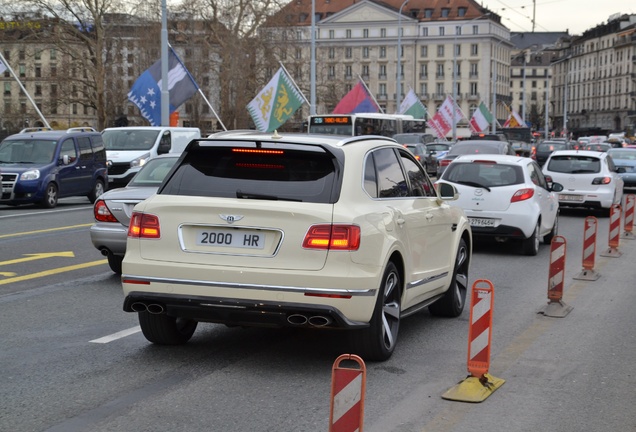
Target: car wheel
[
  {"x": 50, "y": 196},
  {"x": 98, "y": 189},
  {"x": 163, "y": 329},
  {"x": 377, "y": 342},
  {"x": 530, "y": 245},
  {"x": 452, "y": 303},
  {"x": 547, "y": 239},
  {"x": 114, "y": 262}
]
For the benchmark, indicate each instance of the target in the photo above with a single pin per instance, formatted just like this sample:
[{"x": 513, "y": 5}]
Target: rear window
[
  {"x": 550, "y": 147},
  {"x": 473, "y": 149},
  {"x": 574, "y": 164},
  {"x": 284, "y": 172},
  {"x": 484, "y": 173}
]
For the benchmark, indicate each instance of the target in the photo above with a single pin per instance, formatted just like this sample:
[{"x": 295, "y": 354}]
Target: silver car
[{"x": 113, "y": 209}]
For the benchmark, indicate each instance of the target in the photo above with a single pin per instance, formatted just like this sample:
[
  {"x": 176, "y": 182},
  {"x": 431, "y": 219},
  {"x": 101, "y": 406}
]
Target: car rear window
[
  {"x": 269, "y": 171},
  {"x": 574, "y": 164},
  {"x": 484, "y": 173},
  {"x": 550, "y": 147},
  {"x": 474, "y": 149}
]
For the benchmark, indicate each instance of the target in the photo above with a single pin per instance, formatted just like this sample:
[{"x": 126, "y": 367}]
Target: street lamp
[
  {"x": 399, "y": 58},
  {"x": 457, "y": 30}
]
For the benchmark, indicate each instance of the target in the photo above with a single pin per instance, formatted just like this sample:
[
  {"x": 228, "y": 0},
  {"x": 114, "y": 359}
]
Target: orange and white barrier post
[
  {"x": 347, "y": 395},
  {"x": 589, "y": 250},
  {"x": 556, "y": 307},
  {"x": 479, "y": 384},
  {"x": 614, "y": 233},
  {"x": 628, "y": 221}
]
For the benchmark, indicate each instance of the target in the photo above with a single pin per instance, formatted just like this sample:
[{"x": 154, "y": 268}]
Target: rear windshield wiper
[
  {"x": 252, "y": 195},
  {"x": 474, "y": 184}
]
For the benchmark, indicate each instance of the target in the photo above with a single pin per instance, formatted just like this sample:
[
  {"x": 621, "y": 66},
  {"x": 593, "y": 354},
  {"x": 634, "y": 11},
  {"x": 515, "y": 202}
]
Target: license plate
[
  {"x": 481, "y": 222},
  {"x": 571, "y": 198},
  {"x": 238, "y": 238}
]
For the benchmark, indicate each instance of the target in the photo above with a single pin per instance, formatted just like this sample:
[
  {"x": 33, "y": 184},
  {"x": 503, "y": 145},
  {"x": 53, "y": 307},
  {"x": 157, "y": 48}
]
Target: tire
[
  {"x": 377, "y": 342},
  {"x": 530, "y": 246},
  {"x": 452, "y": 303},
  {"x": 50, "y": 196},
  {"x": 163, "y": 329},
  {"x": 547, "y": 239},
  {"x": 98, "y": 189},
  {"x": 114, "y": 262}
]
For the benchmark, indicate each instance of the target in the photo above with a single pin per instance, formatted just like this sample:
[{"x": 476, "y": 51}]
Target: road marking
[
  {"x": 52, "y": 272},
  {"x": 45, "y": 230},
  {"x": 37, "y": 256},
  {"x": 118, "y": 335}
]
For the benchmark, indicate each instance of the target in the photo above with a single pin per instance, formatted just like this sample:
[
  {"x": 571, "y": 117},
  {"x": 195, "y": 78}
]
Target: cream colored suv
[{"x": 296, "y": 230}]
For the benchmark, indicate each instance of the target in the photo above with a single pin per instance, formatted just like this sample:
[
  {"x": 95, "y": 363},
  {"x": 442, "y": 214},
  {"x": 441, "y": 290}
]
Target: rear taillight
[
  {"x": 332, "y": 237},
  {"x": 522, "y": 195},
  {"x": 101, "y": 212},
  {"x": 444, "y": 162},
  {"x": 144, "y": 226},
  {"x": 601, "y": 180}
]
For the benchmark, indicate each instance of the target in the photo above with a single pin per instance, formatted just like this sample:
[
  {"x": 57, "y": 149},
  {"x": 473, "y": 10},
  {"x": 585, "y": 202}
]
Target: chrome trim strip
[
  {"x": 425, "y": 281},
  {"x": 298, "y": 290}
]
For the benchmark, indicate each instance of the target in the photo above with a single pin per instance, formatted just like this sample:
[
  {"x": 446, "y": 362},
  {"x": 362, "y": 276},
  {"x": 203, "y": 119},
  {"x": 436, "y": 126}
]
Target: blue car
[
  {"x": 39, "y": 167},
  {"x": 625, "y": 158}
]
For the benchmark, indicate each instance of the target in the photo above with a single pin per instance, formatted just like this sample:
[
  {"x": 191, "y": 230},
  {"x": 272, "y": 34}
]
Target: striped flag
[
  {"x": 412, "y": 105},
  {"x": 481, "y": 119},
  {"x": 514, "y": 120},
  {"x": 146, "y": 91}
]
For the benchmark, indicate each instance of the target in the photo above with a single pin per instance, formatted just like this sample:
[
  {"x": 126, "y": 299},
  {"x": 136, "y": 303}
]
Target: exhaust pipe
[
  {"x": 319, "y": 321},
  {"x": 154, "y": 308},
  {"x": 104, "y": 251},
  {"x": 138, "y": 307},
  {"x": 297, "y": 319}
]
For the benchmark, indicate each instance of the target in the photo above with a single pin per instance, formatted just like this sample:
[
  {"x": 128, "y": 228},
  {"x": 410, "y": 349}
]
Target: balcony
[
  {"x": 423, "y": 75},
  {"x": 439, "y": 75},
  {"x": 439, "y": 96},
  {"x": 472, "y": 96},
  {"x": 382, "y": 97},
  {"x": 382, "y": 76},
  {"x": 473, "y": 75}
]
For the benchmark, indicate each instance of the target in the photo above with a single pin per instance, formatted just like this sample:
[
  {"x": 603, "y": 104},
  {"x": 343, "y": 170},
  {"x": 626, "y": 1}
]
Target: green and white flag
[
  {"x": 481, "y": 119},
  {"x": 412, "y": 105},
  {"x": 276, "y": 103}
]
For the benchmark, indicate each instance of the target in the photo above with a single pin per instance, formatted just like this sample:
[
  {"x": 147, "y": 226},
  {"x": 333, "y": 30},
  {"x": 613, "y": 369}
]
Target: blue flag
[{"x": 146, "y": 91}]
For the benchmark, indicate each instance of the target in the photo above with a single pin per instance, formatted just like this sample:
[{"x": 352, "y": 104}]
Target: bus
[{"x": 364, "y": 124}]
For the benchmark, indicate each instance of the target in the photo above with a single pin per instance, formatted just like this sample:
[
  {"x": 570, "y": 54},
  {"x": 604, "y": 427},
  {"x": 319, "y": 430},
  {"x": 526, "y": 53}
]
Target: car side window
[
  {"x": 537, "y": 176},
  {"x": 610, "y": 164},
  {"x": 86, "y": 152},
  {"x": 391, "y": 180},
  {"x": 370, "y": 177},
  {"x": 419, "y": 183},
  {"x": 68, "y": 149}
]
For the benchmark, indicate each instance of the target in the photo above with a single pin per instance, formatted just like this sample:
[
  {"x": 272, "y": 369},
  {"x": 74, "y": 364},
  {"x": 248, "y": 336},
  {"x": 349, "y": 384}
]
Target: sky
[{"x": 574, "y": 16}]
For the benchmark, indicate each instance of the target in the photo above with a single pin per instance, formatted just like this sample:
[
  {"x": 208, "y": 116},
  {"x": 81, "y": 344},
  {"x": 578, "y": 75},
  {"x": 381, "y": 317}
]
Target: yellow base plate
[{"x": 474, "y": 389}]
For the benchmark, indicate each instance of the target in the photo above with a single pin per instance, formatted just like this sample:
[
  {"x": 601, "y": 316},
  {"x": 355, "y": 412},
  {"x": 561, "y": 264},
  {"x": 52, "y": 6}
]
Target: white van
[{"x": 128, "y": 148}]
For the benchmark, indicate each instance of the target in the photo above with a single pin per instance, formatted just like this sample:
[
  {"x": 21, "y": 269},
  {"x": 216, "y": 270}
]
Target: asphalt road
[{"x": 72, "y": 360}]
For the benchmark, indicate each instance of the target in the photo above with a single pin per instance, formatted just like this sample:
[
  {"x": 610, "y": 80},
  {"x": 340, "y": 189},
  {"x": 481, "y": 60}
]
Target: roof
[
  {"x": 292, "y": 138},
  {"x": 540, "y": 40}
]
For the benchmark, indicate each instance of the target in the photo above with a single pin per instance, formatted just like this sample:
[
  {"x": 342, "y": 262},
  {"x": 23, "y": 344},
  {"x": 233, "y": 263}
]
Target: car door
[
  {"x": 69, "y": 175},
  {"x": 546, "y": 199},
  {"x": 86, "y": 165}
]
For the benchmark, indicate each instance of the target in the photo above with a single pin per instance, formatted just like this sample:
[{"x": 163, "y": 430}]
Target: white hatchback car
[
  {"x": 297, "y": 230},
  {"x": 589, "y": 178},
  {"x": 505, "y": 197}
]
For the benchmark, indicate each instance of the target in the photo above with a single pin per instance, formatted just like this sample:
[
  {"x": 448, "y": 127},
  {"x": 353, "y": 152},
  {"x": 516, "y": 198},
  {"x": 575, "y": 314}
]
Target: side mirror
[
  {"x": 620, "y": 170},
  {"x": 66, "y": 160},
  {"x": 556, "y": 187},
  {"x": 446, "y": 192}
]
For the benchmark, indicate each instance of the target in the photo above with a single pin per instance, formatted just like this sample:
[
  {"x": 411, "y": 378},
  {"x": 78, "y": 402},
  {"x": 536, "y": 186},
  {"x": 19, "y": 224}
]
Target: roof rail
[
  {"x": 36, "y": 129},
  {"x": 80, "y": 129}
]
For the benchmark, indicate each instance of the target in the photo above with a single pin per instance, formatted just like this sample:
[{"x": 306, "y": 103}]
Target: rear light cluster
[
  {"x": 522, "y": 195},
  {"x": 333, "y": 237},
  {"x": 444, "y": 162},
  {"x": 101, "y": 212},
  {"x": 144, "y": 226},
  {"x": 601, "y": 180}
]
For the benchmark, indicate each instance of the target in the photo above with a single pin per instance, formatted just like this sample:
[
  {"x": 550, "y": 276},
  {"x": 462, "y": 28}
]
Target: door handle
[{"x": 429, "y": 217}]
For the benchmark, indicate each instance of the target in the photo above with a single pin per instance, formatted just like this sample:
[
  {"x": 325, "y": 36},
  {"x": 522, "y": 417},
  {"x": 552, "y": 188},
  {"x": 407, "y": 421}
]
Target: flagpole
[
  {"x": 165, "y": 93},
  {"x": 370, "y": 94},
  {"x": 294, "y": 82},
  {"x": 198, "y": 88},
  {"x": 2, "y": 59}
]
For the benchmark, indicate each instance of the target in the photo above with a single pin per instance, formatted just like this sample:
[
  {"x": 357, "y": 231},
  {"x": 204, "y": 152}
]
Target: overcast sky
[{"x": 574, "y": 16}]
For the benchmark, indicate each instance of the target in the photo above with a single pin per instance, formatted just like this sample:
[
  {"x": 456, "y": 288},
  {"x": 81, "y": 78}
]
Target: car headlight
[
  {"x": 30, "y": 175},
  {"x": 140, "y": 161}
]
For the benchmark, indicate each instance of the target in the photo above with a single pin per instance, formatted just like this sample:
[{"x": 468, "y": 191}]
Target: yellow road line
[
  {"x": 52, "y": 272},
  {"x": 45, "y": 230}
]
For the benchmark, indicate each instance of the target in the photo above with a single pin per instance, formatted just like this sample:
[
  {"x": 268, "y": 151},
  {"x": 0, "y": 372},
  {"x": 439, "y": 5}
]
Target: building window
[
  {"x": 473, "y": 88},
  {"x": 53, "y": 71},
  {"x": 53, "y": 54},
  {"x": 348, "y": 34},
  {"x": 382, "y": 89},
  {"x": 382, "y": 74},
  {"x": 439, "y": 87},
  {"x": 382, "y": 52},
  {"x": 332, "y": 52},
  {"x": 428, "y": 13},
  {"x": 458, "y": 50},
  {"x": 440, "y": 50},
  {"x": 473, "y": 49},
  {"x": 423, "y": 71},
  {"x": 458, "y": 30},
  {"x": 38, "y": 90},
  {"x": 38, "y": 71},
  {"x": 348, "y": 52},
  {"x": 425, "y": 31},
  {"x": 461, "y": 11},
  {"x": 475, "y": 29},
  {"x": 365, "y": 33},
  {"x": 473, "y": 70},
  {"x": 365, "y": 52},
  {"x": 299, "y": 53},
  {"x": 423, "y": 89},
  {"x": 332, "y": 71},
  {"x": 445, "y": 12},
  {"x": 424, "y": 51},
  {"x": 331, "y": 34},
  {"x": 348, "y": 72},
  {"x": 365, "y": 70},
  {"x": 7, "y": 88},
  {"x": 440, "y": 70},
  {"x": 383, "y": 32},
  {"x": 441, "y": 31}
]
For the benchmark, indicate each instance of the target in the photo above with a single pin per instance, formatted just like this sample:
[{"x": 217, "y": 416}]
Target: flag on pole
[
  {"x": 514, "y": 120},
  {"x": 412, "y": 105},
  {"x": 481, "y": 119},
  {"x": 442, "y": 121},
  {"x": 3, "y": 67},
  {"x": 275, "y": 103},
  {"x": 358, "y": 100},
  {"x": 146, "y": 91}
]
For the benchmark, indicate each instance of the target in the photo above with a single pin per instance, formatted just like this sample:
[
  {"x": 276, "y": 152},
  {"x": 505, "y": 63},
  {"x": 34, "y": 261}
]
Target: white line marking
[{"x": 118, "y": 335}]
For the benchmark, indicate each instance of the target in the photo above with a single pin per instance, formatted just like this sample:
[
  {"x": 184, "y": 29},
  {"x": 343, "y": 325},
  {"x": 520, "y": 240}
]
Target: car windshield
[
  {"x": 436, "y": 147},
  {"x": 153, "y": 172},
  {"x": 473, "y": 149},
  {"x": 31, "y": 151},
  {"x": 623, "y": 154},
  {"x": 550, "y": 147},
  {"x": 484, "y": 174},
  {"x": 134, "y": 139},
  {"x": 574, "y": 164}
]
